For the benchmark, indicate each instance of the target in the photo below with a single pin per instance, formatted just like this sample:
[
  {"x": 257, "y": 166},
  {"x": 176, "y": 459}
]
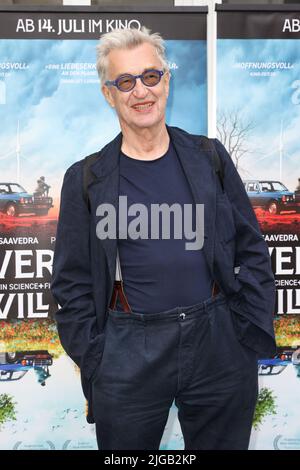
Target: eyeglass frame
[{"x": 114, "y": 82}]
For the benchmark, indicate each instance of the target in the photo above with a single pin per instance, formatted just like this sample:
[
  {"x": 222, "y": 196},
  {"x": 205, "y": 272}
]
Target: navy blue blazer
[{"x": 84, "y": 266}]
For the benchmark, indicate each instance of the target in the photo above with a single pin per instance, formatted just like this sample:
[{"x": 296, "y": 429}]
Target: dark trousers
[{"x": 190, "y": 354}]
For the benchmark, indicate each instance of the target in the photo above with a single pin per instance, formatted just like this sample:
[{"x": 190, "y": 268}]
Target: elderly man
[{"x": 182, "y": 321}]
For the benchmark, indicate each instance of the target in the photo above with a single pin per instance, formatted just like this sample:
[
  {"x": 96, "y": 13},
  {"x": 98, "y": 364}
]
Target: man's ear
[{"x": 108, "y": 95}]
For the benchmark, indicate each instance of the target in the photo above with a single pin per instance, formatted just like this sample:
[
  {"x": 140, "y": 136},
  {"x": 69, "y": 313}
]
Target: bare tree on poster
[{"x": 233, "y": 132}]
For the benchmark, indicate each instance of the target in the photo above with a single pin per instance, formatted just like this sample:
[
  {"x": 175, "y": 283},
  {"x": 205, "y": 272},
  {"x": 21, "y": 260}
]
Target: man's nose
[{"x": 140, "y": 90}]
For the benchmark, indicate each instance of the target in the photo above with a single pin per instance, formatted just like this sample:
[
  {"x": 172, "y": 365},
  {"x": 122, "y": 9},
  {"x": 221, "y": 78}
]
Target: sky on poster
[
  {"x": 62, "y": 122},
  {"x": 268, "y": 102}
]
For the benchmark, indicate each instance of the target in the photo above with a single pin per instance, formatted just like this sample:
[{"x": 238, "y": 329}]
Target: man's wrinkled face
[{"x": 142, "y": 107}]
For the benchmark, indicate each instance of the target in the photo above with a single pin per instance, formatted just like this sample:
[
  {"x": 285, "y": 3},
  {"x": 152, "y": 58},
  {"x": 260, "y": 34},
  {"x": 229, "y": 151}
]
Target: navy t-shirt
[{"x": 159, "y": 274}]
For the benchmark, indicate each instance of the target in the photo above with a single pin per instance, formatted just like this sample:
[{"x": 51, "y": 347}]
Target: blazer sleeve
[
  {"x": 254, "y": 304},
  {"x": 71, "y": 283}
]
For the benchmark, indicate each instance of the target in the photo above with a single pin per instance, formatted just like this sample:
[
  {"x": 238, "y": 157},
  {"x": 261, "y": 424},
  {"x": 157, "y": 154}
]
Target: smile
[{"x": 142, "y": 106}]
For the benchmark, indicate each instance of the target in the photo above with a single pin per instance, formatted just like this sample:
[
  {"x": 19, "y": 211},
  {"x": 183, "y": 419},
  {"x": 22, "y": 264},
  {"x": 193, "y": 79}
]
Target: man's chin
[{"x": 146, "y": 123}]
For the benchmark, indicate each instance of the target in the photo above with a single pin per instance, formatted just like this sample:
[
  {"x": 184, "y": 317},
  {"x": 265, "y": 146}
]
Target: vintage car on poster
[
  {"x": 14, "y": 365},
  {"x": 276, "y": 364},
  {"x": 15, "y": 200},
  {"x": 272, "y": 196}
]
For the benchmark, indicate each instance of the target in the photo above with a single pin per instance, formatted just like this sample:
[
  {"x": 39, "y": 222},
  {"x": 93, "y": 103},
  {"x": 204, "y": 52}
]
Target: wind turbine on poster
[
  {"x": 278, "y": 150},
  {"x": 17, "y": 152}
]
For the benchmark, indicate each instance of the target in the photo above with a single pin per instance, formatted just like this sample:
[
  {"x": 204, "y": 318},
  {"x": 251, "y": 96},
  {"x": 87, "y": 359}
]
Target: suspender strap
[
  {"x": 118, "y": 289},
  {"x": 215, "y": 289},
  {"x": 208, "y": 144}
]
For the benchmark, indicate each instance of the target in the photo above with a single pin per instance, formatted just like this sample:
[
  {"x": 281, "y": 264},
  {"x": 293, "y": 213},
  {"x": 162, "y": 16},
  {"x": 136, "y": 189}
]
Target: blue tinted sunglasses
[{"x": 127, "y": 81}]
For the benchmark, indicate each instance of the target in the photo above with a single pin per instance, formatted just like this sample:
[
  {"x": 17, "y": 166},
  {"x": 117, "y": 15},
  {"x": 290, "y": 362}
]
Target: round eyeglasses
[{"x": 127, "y": 81}]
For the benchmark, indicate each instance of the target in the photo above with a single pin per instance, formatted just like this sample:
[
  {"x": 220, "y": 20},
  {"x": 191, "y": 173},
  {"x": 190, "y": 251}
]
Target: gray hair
[{"x": 127, "y": 39}]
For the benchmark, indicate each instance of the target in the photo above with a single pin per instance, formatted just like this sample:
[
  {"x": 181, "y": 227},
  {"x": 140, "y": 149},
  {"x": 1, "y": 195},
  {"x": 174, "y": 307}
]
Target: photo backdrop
[
  {"x": 258, "y": 93},
  {"x": 52, "y": 113}
]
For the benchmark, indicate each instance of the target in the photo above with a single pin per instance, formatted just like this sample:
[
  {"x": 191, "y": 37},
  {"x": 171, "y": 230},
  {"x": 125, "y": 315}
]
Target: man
[
  {"x": 42, "y": 188},
  {"x": 42, "y": 374},
  {"x": 171, "y": 336}
]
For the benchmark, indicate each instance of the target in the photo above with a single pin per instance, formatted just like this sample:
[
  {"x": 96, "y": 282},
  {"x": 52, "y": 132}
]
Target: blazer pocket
[
  {"x": 244, "y": 333},
  {"x": 92, "y": 356},
  {"x": 98, "y": 365}
]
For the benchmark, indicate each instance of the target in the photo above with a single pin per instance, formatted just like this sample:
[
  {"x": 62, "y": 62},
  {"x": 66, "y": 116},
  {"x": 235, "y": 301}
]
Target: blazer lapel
[
  {"x": 105, "y": 189},
  {"x": 199, "y": 171}
]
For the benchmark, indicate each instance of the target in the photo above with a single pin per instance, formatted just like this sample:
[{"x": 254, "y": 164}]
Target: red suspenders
[{"x": 119, "y": 289}]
